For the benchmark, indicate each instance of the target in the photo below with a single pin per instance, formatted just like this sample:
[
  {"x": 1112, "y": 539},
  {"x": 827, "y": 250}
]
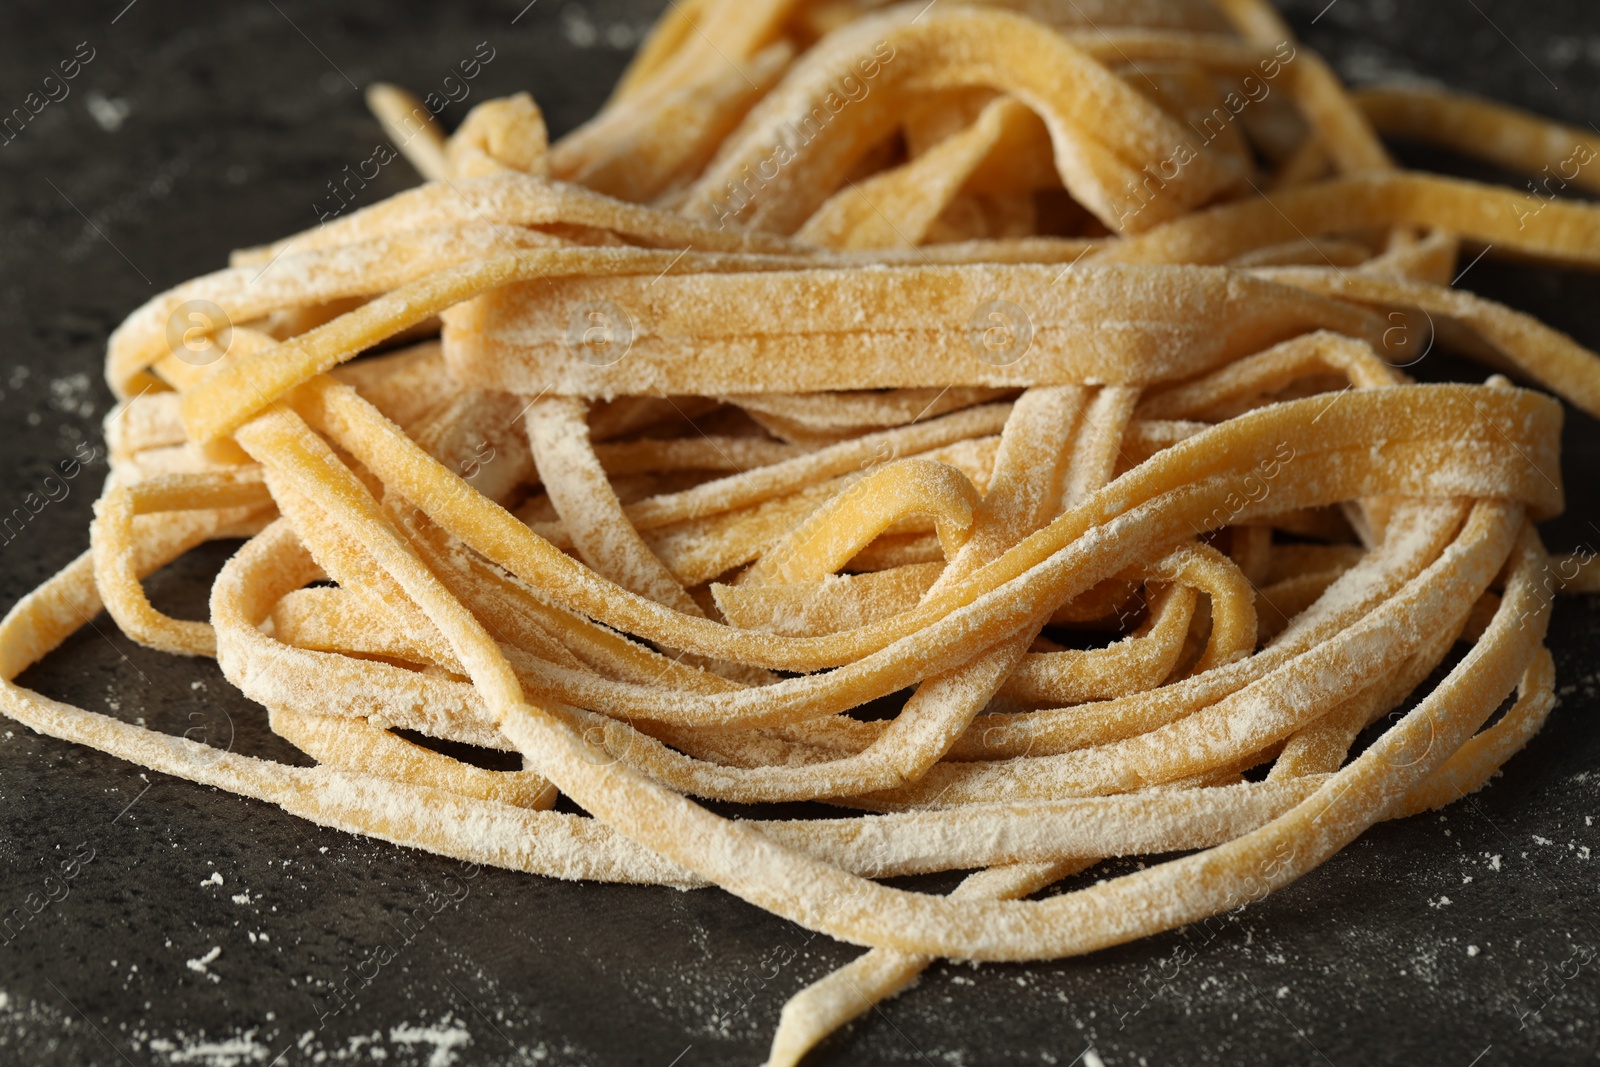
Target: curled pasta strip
[
  {"x": 1510, "y": 137},
  {"x": 1059, "y": 678},
  {"x": 845, "y": 525},
  {"x": 581, "y": 493},
  {"x": 241, "y": 494},
  {"x": 899, "y": 55},
  {"x": 1563, "y": 233}
]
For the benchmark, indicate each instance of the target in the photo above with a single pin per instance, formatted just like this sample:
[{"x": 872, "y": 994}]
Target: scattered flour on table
[
  {"x": 29, "y": 1028},
  {"x": 71, "y": 395},
  {"x": 200, "y": 965},
  {"x": 231, "y": 1052},
  {"x": 109, "y": 113},
  {"x": 445, "y": 1037},
  {"x": 582, "y": 31}
]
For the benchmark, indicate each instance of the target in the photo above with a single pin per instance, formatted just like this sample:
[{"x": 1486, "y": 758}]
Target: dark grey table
[{"x": 202, "y": 928}]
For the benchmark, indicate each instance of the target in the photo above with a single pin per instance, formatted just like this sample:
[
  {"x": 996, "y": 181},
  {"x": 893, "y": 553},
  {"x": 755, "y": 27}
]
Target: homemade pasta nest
[{"x": 1042, "y": 360}]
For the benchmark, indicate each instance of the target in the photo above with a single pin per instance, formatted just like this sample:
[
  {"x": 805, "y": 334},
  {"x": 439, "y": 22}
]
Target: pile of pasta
[{"x": 989, "y": 420}]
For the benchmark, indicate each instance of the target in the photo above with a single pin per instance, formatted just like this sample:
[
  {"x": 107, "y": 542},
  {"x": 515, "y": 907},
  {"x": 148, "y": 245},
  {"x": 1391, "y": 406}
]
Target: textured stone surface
[{"x": 1428, "y": 941}]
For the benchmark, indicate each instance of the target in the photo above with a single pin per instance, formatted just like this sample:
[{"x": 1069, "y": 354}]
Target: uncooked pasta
[{"x": 990, "y": 420}]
